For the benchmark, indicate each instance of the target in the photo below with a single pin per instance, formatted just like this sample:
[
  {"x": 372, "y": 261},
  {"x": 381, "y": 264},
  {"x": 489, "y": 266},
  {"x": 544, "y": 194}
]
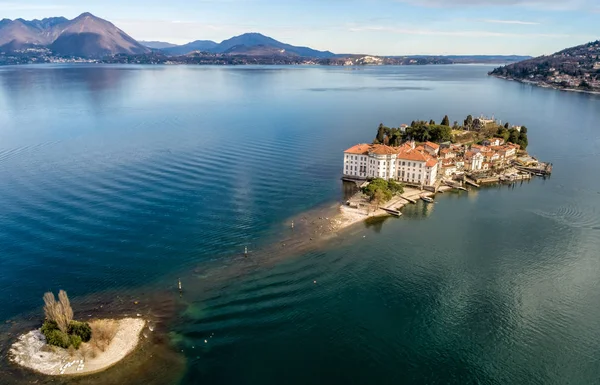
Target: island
[
  {"x": 572, "y": 69},
  {"x": 414, "y": 162},
  {"x": 63, "y": 346}
]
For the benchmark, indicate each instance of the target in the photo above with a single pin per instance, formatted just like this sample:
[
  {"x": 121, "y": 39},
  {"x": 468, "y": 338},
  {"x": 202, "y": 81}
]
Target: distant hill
[
  {"x": 572, "y": 68},
  {"x": 84, "y": 36},
  {"x": 198, "y": 45},
  {"x": 247, "y": 40},
  {"x": 157, "y": 44},
  {"x": 257, "y": 50}
]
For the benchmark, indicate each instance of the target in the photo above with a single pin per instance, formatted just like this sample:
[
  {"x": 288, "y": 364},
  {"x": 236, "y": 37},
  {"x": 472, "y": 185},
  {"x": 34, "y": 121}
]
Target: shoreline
[
  {"x": 545, "y": 85},
  {"x": 32, "y": 352}
]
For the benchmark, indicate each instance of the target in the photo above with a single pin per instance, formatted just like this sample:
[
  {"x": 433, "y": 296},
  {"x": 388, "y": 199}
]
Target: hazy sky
[{"x": 382, "y": 27}]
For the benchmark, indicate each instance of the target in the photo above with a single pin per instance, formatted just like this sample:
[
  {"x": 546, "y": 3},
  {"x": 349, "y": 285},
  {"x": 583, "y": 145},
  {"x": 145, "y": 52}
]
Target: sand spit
[{"x": 31, "y": 351}]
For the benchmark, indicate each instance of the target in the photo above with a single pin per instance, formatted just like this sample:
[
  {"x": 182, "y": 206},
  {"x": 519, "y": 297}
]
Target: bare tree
[{"x": 59, "y": 312}]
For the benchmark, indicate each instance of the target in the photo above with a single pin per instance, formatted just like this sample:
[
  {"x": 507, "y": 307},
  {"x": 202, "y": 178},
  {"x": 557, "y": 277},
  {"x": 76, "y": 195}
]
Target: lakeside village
[{"x": 417, "y": 161}]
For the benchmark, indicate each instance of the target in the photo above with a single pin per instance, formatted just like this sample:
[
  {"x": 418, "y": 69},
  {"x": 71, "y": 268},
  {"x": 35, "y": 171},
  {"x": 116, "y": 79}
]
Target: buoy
[
  {"x": 179, "y": 284},
  {"x": 314, "y": 281}
]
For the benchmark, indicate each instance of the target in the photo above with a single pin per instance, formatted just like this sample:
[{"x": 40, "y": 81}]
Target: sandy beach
[{"x": 31, "y": 351}]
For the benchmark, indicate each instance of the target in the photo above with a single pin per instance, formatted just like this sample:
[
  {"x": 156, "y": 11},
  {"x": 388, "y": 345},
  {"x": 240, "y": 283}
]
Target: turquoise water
[{"x": 120, "y": 179}]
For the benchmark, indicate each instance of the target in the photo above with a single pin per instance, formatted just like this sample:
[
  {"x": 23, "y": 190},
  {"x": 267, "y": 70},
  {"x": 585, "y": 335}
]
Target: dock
[
  {"x": 471, "y": 182},
  {"x": 408, "y": 199},
  {"x": 395, "y": 213}
]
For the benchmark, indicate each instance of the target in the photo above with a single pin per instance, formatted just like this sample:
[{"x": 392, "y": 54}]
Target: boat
[{"x": 427, "y": 199}]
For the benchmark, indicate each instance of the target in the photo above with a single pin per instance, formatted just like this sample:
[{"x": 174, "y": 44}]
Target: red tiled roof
[
  {"x": 431, "y": 162},
  {"x": 359, "y": 149},
  {"x": 381, "y": 149},
  {"x": 432, "y": 145}
]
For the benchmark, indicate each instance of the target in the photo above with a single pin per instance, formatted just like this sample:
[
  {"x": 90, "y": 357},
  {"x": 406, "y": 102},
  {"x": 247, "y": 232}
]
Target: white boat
[{"x": 427, "y": 199}]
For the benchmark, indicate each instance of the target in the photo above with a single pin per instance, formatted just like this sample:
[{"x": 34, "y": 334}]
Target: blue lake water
[{"x": 122, "y": 178}]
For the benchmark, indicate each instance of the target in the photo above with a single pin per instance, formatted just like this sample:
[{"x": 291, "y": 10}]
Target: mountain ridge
[{"x": 85, "y": 36}]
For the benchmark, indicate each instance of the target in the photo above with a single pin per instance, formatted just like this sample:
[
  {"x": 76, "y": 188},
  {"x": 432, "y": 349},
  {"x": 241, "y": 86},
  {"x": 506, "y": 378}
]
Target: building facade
[{"x": 405, "y": 163}]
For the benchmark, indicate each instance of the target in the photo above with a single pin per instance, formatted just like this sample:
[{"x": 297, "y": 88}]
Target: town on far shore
[{"x": 434, "y": 157}]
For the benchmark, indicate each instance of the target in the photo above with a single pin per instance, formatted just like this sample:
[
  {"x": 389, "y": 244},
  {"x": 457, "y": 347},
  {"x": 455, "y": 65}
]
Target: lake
[{"x": 117, "y": 180}]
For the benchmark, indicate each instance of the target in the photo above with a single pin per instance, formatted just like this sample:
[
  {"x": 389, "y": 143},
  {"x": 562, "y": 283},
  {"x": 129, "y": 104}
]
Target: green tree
[
  {"x": 523, "y": 130},
  {"x": 380, "y": 190},
  {"x": 432, "y": 122},
  {"x": 380, "y": 133},
  {"x": 507, "y": 125},
  {"x": 445, "y": 121},
  {"x": 513, "y": 135}
]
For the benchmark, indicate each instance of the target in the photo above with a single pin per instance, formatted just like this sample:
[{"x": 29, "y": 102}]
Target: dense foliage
[
  {"x": 59, "y": 328},
  {"x": 55, "y": 337},
  {"x": 381, "y": 190},
  {"x": 81, "y": 329},
  {"x": 513, "y": 135},
  {"x": 579, "y": 63}
]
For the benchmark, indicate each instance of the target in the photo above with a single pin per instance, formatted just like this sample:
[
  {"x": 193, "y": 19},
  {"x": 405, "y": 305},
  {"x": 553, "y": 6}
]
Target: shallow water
[{"x": 122, "y": 179}]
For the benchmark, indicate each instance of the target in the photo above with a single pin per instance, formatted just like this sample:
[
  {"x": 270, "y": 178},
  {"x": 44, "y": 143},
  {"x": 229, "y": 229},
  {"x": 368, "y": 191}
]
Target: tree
[
  {"x": 507, "y": 126},
  {"x": 513, "y": 135},
  {"x": 432, "y": 122},
  {"x": 523, "y": 141},
  {"x": 469, "y": 122},
  {"x": 445, "y": 121},
  {"x": 380, "y": 190},
  {"x": 380, "y": 133},
  {"x": 59, "y": 312},
  {"x": 523, "y": 130}
]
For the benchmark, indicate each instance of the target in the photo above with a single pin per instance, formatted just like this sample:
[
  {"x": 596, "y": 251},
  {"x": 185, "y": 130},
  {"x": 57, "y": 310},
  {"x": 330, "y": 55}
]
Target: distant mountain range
[
  {"x": 90, "y": 37},
  {"x": 84, "y": 36},
  {"x": 248, "y": 43}
]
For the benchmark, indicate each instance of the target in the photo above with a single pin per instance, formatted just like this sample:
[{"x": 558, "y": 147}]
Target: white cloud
[{"x": 519, "y": 22}]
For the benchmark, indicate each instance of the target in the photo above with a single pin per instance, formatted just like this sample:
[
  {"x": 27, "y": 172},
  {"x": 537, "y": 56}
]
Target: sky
[{"x": 377, "y": 27}]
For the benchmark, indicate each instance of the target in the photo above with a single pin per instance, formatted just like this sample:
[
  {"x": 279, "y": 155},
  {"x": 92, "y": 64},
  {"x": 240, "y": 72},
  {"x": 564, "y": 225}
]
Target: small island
[
  {"x": 414, "y": 162},
  {"x": 63, "y": 346}
]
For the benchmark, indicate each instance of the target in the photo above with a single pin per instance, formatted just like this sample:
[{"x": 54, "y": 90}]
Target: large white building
[{"x": 405, "y": 163}]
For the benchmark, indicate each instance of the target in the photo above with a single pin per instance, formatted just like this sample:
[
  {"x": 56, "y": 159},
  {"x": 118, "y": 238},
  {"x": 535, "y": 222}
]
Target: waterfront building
[{"x": 407, "y": 163}]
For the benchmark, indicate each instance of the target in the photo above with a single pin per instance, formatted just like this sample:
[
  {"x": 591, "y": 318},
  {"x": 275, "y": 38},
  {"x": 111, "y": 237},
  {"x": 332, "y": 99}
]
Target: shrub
[
  {"x": 47, "y": 327},
  {"x": 81, "y": 329},
  {"x": 103, "y": 331},
  {"x": 75, "y": 341},
  {"x": 58, "y": 338}
]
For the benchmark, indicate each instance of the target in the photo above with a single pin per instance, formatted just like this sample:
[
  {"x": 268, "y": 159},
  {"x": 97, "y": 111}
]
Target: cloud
[{"x": 519, "y": 22}]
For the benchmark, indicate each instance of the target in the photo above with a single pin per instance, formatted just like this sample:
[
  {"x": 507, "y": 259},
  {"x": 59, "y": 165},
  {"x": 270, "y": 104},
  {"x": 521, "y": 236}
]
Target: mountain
[
  {"x": 44, "y": 23},
  {"x": 16, "y": 35},
  {"x": 85, "y": 36},
  {"x": 88, "y": 35},
  {"x": 572, "y": 68},
  {"x": 247, "y": 40},
  {"x": 257, "y": 39},
  {"x": 198, "y": 45},
  {"x": 157, "y": 44},
  {"x": 257, "y": 50}
]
